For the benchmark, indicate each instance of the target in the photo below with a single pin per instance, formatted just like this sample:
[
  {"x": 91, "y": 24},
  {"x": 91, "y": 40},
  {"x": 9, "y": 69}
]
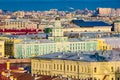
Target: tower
[{"x": 57, "y": 32}]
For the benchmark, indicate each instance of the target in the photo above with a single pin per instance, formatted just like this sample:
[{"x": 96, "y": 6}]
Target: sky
[{"x": 59, "y": 0}]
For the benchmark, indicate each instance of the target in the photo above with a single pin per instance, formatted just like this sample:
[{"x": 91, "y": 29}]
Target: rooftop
[
  {"x": 83, "y": 23},
  {"x": 27, "y": 41},
  {"x": 99, "y": 56},
  {"x": 17, "y": 20}
]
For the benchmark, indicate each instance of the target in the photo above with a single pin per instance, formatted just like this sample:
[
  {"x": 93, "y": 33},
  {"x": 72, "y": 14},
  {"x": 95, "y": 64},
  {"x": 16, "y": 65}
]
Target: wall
[
  {"x": 89, "y": 29},
  {"x": 26, "y": 50},
  {"x": 77, "y": 69},
  {"x": 2, "y": 49}
]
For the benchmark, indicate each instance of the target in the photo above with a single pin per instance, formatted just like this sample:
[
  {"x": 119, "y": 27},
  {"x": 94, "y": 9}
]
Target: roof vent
[
  {"x": 80, "y": 57},
  {"x": 78, "y": 54},
  {"x": 59, "y": 56},
  {"x": 63, "y": 53}
]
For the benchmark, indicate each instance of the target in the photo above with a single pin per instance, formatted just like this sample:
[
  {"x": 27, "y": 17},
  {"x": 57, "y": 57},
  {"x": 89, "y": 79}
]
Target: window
[
  {"x": 112, "y": 78},
  {"x": 46, "y": 65},
  {"x": 71, "y": 67},
  {"x": 117, "y": 69},
  {"x": 118, "y": 79},
  {"x": 61, "y": 67},
  {"x": 95, "y": 78},
  {"x": 67, "y": 67},
  {"x": 95, "y": 69},
  {"x": 0, "y": 46},
  {"x": 82, "y": 69},
  {"x": 54, "y": 66},
  {"x": 0, "y": 53},
  {"x": 57, "y": 66},
  {"x": 74, "y": 68},
  {"x": 112, "y": 69}
]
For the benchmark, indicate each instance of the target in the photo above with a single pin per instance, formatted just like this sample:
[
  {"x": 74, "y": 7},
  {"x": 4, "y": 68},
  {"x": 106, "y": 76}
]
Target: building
[
  {"x": 105, "y": 11},
  {"x": 2, "y": 49},
  {"x": 28, "y": 49},
  {"x": 118, "y": 12},
  {"x": 56, "y": 43},
  {"x": 117, "y": 26},
  {"x": 89, "y": 26},
  {"x": 113, "y": 42},
  {"x": 9, "y": 45},
  {"x": 19, "y": 24},
  {"x": 19, "y": 14},
  {"x": 103, "y": 45},
  {"x": 102, "y": 65},
  {"x": 12, "y": 72}
]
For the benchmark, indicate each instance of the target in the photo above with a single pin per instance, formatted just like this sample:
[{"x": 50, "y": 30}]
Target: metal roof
[
  {"x": 83, "y": 23},
  {"x": 83, "y": 56}
]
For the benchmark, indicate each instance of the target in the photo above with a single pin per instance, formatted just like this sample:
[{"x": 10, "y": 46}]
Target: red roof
[
  {"x": 21, "y": 31},
  {"x": 3, "y": 67}
]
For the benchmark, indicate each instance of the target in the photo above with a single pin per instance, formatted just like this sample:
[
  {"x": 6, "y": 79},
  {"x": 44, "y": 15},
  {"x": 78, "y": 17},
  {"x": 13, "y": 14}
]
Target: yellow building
[
  {"x": 1, "y": 49},
  {"x": 102, "y": 45},
  {"x": 9, "y": 45},
  {"x": 80, "y": 66}
]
